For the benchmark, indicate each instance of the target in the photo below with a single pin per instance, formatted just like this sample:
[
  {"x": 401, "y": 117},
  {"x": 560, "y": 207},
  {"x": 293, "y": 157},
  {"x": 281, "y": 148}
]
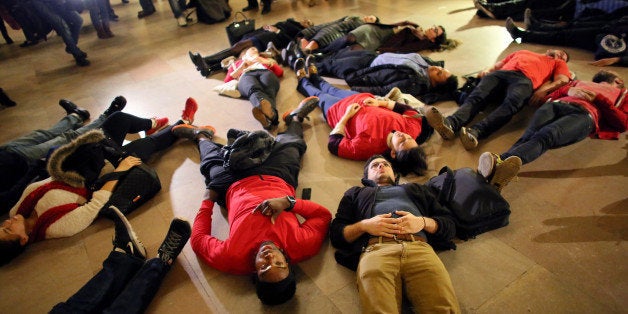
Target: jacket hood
[{"x": 59, "y": 171}]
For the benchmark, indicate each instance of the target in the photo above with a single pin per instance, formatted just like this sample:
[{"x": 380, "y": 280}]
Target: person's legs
[
  {"x": 583, "y": 38},
  {"x": 518, "y": 91},
  {"x": 379, "y": 279},
  {"x": 177, "y": 7},
  {"x": 307, "y": 88},
  {"x": 475, "y": 102},
  {"x": 250, "y": 86},
  {"x": 46, "y": 11},
  {"x": 119, "y": 124},
  {"x": 270, "y": 84},
  {"x": 426, "y": 281},
  {"x": 144, "y": 148},
  {"x": 216, "y": 176},
  {"x": 140, "y": 291},
  {"x": 147, "y": 7},
  {"x": 557, "y": 125},
  {"x": 68, "y": 122},
  {"x": 103, "y": 288}
]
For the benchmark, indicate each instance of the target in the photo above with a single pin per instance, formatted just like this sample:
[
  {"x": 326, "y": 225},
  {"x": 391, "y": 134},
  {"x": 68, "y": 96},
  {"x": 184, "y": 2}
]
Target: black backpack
[
  {"x": 476, "y": 205},
  {"x": 135, "y": 187},
  {"x": 248, "y": 150}
]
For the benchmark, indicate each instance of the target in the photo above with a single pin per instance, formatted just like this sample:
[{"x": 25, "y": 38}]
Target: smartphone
[{"x": 306, "y": 194}]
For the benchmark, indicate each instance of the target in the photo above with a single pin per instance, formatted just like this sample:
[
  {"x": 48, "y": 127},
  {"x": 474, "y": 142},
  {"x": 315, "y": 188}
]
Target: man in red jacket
[
  {"x": 522, "y": 75},
  {"x": 573, "y": 112},
  {"x": 265, "y": 236}
]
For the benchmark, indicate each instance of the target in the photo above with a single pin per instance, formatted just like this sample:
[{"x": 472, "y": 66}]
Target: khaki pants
[{"x": 385, "y": 268}]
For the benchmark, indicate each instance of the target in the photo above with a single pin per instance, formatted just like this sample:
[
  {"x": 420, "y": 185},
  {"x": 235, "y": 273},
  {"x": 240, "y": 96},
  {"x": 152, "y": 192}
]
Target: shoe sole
[
  {"x": 260, "y": 117},
  {"x": 394, "y": 94},
  {"x": 437, "y": 121},
  {"x": 486, "y": 165},
  {"x": 468, "y": 142},
  {"x": 133, "y": 237},
  {"x": 505, "y": 172}
]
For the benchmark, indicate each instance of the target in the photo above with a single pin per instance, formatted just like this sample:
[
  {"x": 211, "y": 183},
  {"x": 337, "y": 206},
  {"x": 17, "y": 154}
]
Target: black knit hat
[{"x": 274, "y": 293}]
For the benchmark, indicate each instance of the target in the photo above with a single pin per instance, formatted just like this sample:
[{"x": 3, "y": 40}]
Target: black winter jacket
[{"x": 357, "y": 204}]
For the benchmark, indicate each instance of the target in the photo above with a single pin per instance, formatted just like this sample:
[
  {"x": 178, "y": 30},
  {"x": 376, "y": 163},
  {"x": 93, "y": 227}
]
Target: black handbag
[
  {"x": 476, "y": 205},
  {"x": 135, "y": 187},
  {"x": 237, "y": 29}
]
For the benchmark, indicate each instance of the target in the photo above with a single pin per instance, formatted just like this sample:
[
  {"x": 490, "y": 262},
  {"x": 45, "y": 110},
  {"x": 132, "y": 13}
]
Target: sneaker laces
[{"x": 172, "y": 243}]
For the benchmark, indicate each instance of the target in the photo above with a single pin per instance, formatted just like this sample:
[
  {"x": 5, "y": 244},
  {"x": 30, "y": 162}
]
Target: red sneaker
[
  {"x": 190, "y": 109},
  {"x": 160, "y": 123}
]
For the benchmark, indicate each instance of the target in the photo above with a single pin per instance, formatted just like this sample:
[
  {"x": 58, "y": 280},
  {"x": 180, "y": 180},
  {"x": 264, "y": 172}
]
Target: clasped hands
[{"x": 386, "y": 226}]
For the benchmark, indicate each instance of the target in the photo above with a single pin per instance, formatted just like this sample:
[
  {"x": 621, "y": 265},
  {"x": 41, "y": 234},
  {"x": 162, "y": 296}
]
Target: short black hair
[
  {"x": 274, "y": 293},
  {"x": 448, "y": 87},
  {"x": 10, "y": 249},
  {"x": 410, "y": 160},
  {"x": 605, "y": 76},
  {"x": 368, "y": 162}
]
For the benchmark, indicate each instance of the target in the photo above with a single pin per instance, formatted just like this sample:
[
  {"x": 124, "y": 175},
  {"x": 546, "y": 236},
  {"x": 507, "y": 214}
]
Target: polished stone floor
[{"x": 563, "y": 252}]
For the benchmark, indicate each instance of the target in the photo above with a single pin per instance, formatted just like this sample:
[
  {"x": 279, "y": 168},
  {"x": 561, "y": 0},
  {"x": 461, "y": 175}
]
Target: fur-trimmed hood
[{"x": 66, "y": 172}]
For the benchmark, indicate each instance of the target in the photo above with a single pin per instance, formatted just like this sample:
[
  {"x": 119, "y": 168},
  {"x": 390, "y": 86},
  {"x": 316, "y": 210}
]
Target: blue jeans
[
  {"x": 328, "y": 94},
  {"x": 518, "y": 90},
  {"x": 259, "y": 84},
  {"x": 178, "y": 6},
  {"x": 67, "y": 23},
  {"x": 125, "y": 284},
  {"x": 555, "y": 124},
  {"x": 38, "y": 143},
  {"x": 147, "y": 5}
]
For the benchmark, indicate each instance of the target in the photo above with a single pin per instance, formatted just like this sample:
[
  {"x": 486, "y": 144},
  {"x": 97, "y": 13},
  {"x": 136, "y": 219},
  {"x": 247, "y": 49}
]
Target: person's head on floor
[
  {"x": 405, "y": 153},
  {"x": 370, "y": 19},
  {"x": 379, "y": 170},
  {"x": 250, "y": 54},
  {"x": 306, "y": 23},
  {"x": 609, "y": 77},
  {"x": 13, "y": 238},
  {"x": 442, "y": 81},
  {"x": 436, "y": 34},
  {"x": 557, "y": 54},
  {"x": 274, "y": 278}
]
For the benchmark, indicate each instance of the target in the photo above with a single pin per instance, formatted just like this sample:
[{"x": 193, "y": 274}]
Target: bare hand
[
  {"x": 270, "y": 28},
  {"x": 128, "y": 163},
  {"x": 352, "y": 110},
  {"x": 483, "y": 74},
  {"x": 409, "y": 223},
  {"x": 581, "y": 93},
  {"x": 381, "y": 225},
  {"x": 537, "y": 98},
  {"x": 272, "y": 206},
  {"x": 370, "y": 102},
  {"x": 606, "y": 61}
]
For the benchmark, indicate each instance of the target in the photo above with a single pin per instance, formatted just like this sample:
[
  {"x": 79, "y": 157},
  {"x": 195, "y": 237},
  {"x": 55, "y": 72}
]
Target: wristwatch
[{"x": 292, "y": 202}]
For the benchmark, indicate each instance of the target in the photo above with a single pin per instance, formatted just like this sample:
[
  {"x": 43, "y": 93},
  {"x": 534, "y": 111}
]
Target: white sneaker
[{"x": 182, "y": 21}]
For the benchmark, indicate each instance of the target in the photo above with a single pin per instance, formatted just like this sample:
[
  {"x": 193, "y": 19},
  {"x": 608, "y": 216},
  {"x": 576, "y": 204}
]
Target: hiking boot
[
  {"x": 175, "y": 240},
  {"x": 469, "y": 138},
  {"x": 234, "y": 134},
  {"x": 117, "y": 104},
  {"x": 125, "y": 240},
  {"x": 436, "y": 120},
  {"x": 299, "y": 68},
  {"x": 498, "y": 172},
  {"x": 310, "y": 65},
  {"x": 274, "y": 52},
  {"x": 190, "y": 110},
  {"x": 193, "y": 132},
  {"x": 304, "y": 108},
  {"x": 71, "y": 108},
  {"x": 265, "y": 114},
  {"x": 200, "y": 64},
  {"x": 158, "y": 124},
  {"x": 393, "y": 94}
]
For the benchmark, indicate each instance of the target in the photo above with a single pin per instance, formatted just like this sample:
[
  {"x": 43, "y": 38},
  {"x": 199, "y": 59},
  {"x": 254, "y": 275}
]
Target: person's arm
[
  {"x": 339, "y": 128},
  {"x": 612, "y": 116},
  {"x": 606, "y": 61},
  {"x": 544, "y": 90},
  {"x": 206, "y": 246},
  {"x": 497, "y": 66},
  {"x": 235, "y": 70}
]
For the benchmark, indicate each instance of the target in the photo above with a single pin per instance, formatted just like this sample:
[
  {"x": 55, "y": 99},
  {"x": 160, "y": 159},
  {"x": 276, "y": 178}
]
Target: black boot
[
  {"x": 266, "y": 6},
  {"x": 5, "y": 100},
  {"x": 219, "y": 56}
]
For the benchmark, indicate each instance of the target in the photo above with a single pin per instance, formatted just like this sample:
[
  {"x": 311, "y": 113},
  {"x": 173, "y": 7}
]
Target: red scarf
[{"x": 51, "y": 215}]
